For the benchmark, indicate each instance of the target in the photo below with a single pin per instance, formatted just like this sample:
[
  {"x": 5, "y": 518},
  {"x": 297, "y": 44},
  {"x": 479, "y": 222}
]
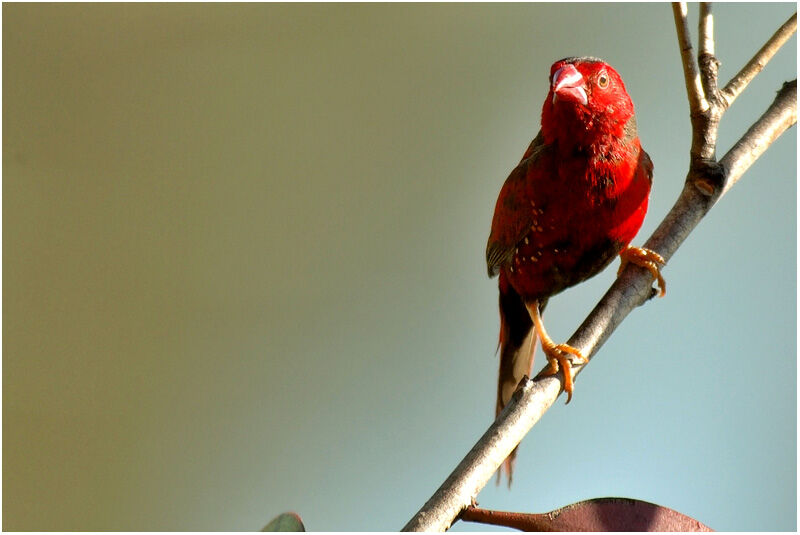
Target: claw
[
  {"x": 563, "y": 364},
  {"x": 650, "y": 260},
  {"x": 573, "y": 351}
]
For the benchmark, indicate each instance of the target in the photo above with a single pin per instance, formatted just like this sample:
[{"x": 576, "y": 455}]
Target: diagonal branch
[
  {"x": 781, "y": 115},
  {"x": 737, "y": 84}
]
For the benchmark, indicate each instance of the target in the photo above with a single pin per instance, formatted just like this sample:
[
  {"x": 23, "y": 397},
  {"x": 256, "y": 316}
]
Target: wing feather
[{"x": 512, "y": 213}]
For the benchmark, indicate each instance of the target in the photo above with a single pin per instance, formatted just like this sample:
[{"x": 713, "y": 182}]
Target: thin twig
[
  {"x": 737, "y": 84},
  {"x": 709, "y": 66},
  {"x": 694, "y": 88},
  {"x": 520, "y": 521},
  {"x": 706, "y": 29}
]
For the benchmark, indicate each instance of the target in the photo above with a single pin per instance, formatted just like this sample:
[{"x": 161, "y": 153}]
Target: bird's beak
[{"x": 568, "y": 84}]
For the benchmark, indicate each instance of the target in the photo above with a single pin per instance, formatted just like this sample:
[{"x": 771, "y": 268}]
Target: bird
[{"x": 572, "y": 204}]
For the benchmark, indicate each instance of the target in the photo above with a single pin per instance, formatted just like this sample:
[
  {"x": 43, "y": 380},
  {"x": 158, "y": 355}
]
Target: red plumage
[{"x": 573, "y": 203}]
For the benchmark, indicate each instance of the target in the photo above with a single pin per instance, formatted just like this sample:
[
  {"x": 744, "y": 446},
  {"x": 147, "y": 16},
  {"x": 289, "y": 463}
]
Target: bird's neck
[
  {"x": 591, "y": 136},
  {"x": 604, "y": 161}
]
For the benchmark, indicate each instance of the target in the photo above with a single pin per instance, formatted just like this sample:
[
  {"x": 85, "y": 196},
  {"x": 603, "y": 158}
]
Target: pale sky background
[{"x": 244, "y": 269}]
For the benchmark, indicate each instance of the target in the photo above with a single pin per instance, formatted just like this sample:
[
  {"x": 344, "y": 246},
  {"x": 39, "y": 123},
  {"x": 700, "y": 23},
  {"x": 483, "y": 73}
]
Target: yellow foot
[
  {"x": 558, "y": 359},
  {"x": 650, "y": 260},
  {"x": 558, "y": 355}
]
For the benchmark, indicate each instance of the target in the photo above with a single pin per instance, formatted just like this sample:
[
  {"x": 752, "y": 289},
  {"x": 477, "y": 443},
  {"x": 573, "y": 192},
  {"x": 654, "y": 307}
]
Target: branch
[
  {"x": 776, "y": 120},
  {"x": 694, "y": 89},
  {"x": 701, "y": 86},
  {"x": 709, "y": 66},
  {"x": 631, "y": 289},
  {"x": 706, "y": 29},
  {"x": 737, "y": 84}
]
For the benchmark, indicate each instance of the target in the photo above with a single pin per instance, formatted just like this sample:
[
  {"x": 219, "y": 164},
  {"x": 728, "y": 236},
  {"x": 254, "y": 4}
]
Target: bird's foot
[
  {"x": 558, "y": 355},
  {"x": 558, "y": 358},
  {"x": 650, "y": 260}
]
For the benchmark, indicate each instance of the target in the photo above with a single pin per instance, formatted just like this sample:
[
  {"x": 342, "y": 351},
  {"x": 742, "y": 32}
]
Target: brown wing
[
  {"x": 646, "y": 164},
  {"x": 631, "y": 135},
  {"x": 512, "y": 213}
]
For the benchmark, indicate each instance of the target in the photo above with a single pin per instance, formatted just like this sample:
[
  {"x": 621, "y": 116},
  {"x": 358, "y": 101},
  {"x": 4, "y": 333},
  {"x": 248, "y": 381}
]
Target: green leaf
[{"x": 285, "y": 522}]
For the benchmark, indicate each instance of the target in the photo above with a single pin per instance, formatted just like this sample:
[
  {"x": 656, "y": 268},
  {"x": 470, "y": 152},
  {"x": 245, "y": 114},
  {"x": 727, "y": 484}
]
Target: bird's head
[{"x": 587, "y": 99}]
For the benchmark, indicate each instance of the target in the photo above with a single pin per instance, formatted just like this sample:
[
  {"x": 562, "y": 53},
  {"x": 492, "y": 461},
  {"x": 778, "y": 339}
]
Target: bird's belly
[
  {"x": 537, "y": 272},
  {"x": 548, "y": 259},
  {"x": 574, "y": 236}
]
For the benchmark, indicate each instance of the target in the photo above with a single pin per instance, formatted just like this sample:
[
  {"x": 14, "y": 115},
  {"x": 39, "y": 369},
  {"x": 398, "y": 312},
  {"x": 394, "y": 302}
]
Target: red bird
[{"x": 574, "y": 202}]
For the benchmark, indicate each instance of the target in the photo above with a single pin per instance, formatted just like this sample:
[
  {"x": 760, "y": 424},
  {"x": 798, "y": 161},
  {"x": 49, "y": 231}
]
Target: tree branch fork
[{"x": 706, "y": 182}]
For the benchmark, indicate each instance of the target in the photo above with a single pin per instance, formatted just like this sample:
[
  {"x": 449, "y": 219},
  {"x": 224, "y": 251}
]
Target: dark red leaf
[{"x": 599, "y": 514}]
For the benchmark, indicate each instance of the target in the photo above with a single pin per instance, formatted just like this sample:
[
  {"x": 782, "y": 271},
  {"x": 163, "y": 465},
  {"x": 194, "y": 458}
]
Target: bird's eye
[{"x": 602, "y": 81}]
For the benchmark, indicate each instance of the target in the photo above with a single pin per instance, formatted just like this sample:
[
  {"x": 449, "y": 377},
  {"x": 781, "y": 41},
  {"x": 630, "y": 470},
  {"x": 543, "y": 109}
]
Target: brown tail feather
[{"x": 517, "y": 345}]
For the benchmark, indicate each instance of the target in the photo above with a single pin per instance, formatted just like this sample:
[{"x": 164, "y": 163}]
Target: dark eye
[{"x": 602, "y": 81}]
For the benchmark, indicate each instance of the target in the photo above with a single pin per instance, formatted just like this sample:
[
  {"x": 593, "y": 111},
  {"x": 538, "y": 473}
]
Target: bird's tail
[{"x": 517, "y": 345}]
